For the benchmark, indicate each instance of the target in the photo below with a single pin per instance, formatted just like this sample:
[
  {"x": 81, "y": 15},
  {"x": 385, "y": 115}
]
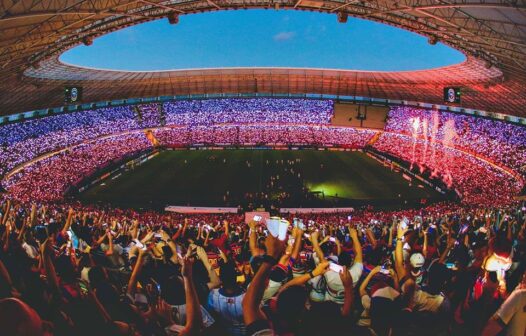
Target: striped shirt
[{"x": 230, "y": 309}]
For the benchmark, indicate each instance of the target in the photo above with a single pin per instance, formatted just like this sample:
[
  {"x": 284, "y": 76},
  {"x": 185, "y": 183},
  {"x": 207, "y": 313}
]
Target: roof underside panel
[{"x": 492, "y": 33}]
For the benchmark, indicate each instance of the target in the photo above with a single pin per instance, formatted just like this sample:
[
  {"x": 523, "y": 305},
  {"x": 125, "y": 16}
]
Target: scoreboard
[
  {"x": 72, "y": 94},
  {"x": 452, "y": 95}
]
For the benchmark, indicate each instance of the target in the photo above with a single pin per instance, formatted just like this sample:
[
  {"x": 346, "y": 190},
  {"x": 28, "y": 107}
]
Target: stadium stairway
[
  {"x": 374, "y": 139},
  {"x": 149, "y": 135}
]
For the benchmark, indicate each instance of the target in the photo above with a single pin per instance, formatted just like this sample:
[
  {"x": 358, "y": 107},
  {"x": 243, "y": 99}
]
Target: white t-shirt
[
  {"x": 271, "y": 290},
  {"x": 319, "y": 286},
  {"x": 427, "y": 302},
  {"x": 513, "y": 313},
  {"x": 335, "y": 290},
  {"x": 230, "y": 308}
]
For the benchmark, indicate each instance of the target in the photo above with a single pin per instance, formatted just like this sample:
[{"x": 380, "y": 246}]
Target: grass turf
[{"x": 203, "y": 177}]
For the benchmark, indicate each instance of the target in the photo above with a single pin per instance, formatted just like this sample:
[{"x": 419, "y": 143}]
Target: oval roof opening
[{"x": 262, "y": 38}]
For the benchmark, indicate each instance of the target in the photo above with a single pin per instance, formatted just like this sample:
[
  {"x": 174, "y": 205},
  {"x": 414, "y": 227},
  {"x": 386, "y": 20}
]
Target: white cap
[{"x": 417, "y": 260}]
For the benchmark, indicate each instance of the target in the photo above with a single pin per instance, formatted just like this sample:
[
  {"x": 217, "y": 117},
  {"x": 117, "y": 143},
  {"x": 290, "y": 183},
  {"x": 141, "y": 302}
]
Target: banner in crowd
[
  {"x": 199, "y": 210},
  {"x": 315, "y": 210},
  {"x": 250, "y": 215}
]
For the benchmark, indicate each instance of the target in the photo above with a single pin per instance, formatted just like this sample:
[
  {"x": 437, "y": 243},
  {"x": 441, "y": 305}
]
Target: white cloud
[{"x": 284, "y": 36}]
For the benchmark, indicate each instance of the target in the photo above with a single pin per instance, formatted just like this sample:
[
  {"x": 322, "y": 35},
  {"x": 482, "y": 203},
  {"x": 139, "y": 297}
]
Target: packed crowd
[
  {"x": 423, "y": 138},
  {"x": 50, "y": 178},
  {"x": 149, "y": 115},
  {"x": 253, "y": 110},
  {"x": 478, "y": 182},
  {"x": 23, "y": 141},
  {"x": 441, "y": 270},
  {"x": 265, "y": 134},
  {"x": 499, "y": 141}
]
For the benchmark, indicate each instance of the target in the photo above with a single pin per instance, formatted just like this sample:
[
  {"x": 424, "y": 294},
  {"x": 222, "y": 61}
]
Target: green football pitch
[{"x": 307, "y": 178}]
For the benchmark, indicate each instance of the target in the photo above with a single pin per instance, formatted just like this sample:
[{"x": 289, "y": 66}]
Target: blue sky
[{"x": 246, "y": 38}]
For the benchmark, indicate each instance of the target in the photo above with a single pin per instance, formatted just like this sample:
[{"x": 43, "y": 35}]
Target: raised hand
[{"x": 346, "y": 278}]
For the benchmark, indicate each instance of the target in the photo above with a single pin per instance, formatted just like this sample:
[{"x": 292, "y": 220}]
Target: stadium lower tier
[{"x": 476, "y": 180}]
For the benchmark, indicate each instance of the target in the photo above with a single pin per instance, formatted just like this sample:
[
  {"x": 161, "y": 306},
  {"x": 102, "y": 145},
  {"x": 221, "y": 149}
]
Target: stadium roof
[{"x": 491, "y": 33}]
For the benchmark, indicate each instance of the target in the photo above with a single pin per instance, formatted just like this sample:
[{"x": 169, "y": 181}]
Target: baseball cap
[{"x": 417, "y": 260}]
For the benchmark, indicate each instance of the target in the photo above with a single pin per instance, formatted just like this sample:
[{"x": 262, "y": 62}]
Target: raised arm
[
  {"x": 370, "y": 237},
  {"x": 6, "y": 212},
  {"x": 214, "y": 279},
  {"x": 227, "y": 227},
  {"x": 49, "y": 269},
  {"x": 252, "y": 300},
  {"x": 391, "y": 231},
  {"x": 320, "y": 269},
  {"x": 316, "y": 245},
  {"x": 348, "y": 300},
  {"x": 368, "y": 278},
  {"x": 358, "y": 258},
  {"x": 399, "y": 252},
  {"x": 132, "y": 283},
  {"x": 252, "y": 239},
  {"x": 298, "y": 235},
  {"x": 424, "y": 248},
  {"x": 194, "y": 319},
  {"x": 68, "y": 221}
]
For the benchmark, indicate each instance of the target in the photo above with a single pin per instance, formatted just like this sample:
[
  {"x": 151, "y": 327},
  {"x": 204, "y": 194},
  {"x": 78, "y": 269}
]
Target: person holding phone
[{"x": 335, "y": 291}]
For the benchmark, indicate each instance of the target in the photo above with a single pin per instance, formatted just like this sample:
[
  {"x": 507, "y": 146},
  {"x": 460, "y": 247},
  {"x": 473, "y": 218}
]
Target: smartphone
[
  {"x": 257, "y": 218},
  {"x": 306, "y": 235},
  {"x": 450, "y": 265},
  {"x": 332, "y": 239},
  {"x": 349, "y": 217},
  {"x": 335, "y": 267},
  {"x": 157, "y": 287}
]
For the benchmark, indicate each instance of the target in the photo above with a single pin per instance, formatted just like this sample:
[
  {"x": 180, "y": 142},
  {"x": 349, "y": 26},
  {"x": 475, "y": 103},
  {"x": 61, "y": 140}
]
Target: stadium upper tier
[
  {"x": 469, "y": 154},
  {"x": 27, "y": 140},
  {"x": 491, "y": 35}
]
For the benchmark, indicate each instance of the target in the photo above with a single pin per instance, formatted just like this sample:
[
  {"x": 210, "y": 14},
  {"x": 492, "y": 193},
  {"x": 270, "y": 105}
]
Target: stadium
[{"x": 262, "y": 200}]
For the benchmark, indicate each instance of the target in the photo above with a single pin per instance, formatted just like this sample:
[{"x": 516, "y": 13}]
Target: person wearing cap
[{"x": 417, "y": 261}]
